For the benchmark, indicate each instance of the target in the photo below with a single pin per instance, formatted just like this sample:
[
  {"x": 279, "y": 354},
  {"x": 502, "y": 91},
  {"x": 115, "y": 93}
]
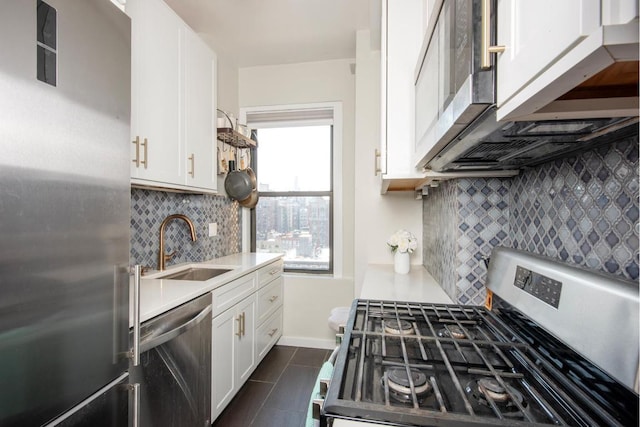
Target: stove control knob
[
  {"x": 523, "y": 277},
  {"x": 324, "y": 386},
  {"x": 316, "y": 406}
]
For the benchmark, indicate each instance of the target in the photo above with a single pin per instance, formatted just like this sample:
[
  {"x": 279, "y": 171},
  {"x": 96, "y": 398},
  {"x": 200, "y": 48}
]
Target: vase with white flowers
[{"x": 402, "y": 243}]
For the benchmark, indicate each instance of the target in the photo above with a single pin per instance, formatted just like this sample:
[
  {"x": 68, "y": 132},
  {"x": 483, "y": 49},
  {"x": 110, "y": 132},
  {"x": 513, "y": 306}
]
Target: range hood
[
  {"x": 586, "y": 104},
  {"x": 491, "y": 145}
]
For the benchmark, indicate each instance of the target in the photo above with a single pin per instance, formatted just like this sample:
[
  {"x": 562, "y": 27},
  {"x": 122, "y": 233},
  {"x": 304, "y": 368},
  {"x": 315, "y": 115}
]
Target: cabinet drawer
[
  {"x": 227, "y": 295},
  {"x": 269, "y": 333},
  {"x": 269, "y": 272},
  {"x": 269, "y": 298}
]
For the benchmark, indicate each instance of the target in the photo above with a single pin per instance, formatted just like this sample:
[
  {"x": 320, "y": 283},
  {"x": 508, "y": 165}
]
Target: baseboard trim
[{"x": 307, "y": 342}]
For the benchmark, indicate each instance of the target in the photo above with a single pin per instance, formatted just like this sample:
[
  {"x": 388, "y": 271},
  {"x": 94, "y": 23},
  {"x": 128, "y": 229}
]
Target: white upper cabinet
[
  {"x": 537, "y": 34},
  {"x": 155, "y": 92},
  {"x": 199, "y": 113},
  {"x": 401, "y": 42},
  {"x": 553, "y": 46},
  {"x": 173, "y": 101}
]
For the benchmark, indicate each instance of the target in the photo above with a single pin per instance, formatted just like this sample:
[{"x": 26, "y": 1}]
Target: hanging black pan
[{"x": 238, "y": 183}]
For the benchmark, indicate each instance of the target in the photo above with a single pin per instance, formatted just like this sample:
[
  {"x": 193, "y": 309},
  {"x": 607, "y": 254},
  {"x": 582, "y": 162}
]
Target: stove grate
[{"x": 529, "y": 388}]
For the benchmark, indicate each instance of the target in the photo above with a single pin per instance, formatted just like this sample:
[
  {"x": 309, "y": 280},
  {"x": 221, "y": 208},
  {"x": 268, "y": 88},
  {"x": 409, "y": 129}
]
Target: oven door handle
[{"x": 155, "y": 341}]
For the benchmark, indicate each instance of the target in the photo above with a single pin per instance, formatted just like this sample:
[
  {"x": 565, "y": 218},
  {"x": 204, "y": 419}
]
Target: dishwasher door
[{"x": 175, "y": 367}]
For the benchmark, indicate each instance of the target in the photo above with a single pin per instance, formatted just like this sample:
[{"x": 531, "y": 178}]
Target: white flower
[{"x": 403, "y": 241}]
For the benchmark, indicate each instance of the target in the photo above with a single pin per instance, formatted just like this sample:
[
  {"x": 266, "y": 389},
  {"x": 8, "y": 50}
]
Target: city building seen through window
[{"x": 294, "y": 214}]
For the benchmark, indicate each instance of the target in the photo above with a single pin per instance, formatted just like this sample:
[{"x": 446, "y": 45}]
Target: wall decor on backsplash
[
  {"x": 149, "y": 208},
  {"x": 581, "y": 209}
]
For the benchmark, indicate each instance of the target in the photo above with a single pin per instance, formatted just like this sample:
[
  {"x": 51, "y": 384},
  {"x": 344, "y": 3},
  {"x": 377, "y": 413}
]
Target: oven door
[
  {"x": 451, "y": 90},
  {"x": 315, "y": 417}
]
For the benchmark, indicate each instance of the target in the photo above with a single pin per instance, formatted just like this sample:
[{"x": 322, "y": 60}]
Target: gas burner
[
  {"x": 453, "y": 332},
  {"x": 485, "y": 388},
  {"x": 398, "y": 328},
  {"x": 399, "y": 387}
]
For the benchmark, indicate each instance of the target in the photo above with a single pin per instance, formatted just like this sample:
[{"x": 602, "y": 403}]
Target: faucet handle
[{"x": 167, "y": 257}]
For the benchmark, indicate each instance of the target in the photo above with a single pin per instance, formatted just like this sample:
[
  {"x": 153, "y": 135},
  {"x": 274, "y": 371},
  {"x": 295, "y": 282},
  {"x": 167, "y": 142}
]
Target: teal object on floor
[{"x": 325, "y": 372}]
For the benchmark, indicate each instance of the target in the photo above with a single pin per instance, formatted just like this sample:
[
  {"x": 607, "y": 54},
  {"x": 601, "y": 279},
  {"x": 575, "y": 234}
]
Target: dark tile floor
[{"x": 278, "y": 392}]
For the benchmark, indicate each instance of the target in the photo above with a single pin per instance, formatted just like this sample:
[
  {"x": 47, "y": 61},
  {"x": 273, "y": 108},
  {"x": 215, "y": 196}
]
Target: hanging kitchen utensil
[
  {"x": 251, "y": 201},
  {"x": 223, "y": 168},
  {"x": 252, "y": 177},
  {"x": 237, "y": 184}
]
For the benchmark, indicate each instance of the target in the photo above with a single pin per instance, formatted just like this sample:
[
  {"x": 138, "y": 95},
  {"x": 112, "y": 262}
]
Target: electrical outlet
[{"x": 213, "y": 229}]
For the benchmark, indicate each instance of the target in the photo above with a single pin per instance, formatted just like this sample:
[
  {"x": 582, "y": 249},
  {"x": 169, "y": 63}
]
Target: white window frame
[{"x": 338, "y": 226}]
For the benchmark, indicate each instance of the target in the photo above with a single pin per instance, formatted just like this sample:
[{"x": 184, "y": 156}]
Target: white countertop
[
  {"x": 158, "y": 296},
  {"x": 381, "y": 283}
]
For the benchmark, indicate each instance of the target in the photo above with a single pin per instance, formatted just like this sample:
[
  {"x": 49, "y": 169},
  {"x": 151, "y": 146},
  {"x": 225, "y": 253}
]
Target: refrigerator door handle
[
  {"x": 134, "y": 353},
  {"x": 155, "y": 341},
  {"x": 121, "y": 345},
  {"x": 134, "y": 395}
]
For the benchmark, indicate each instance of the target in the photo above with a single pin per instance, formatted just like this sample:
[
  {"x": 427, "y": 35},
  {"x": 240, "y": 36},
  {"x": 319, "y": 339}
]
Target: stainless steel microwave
[{"x": 455, "y": 103}]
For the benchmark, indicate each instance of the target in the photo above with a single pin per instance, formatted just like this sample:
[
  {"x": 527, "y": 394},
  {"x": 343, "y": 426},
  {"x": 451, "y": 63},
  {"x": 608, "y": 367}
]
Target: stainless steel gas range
[{"x": 556, "y": 345}]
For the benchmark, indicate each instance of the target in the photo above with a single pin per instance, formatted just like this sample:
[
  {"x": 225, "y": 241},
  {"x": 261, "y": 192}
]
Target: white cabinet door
[
  {"x": 223, "y": 351},
  {"x": 535, "y": 34},
  {"x": 155, "y": 58},
  {"x": 233, "y": 355},
  {"x": 402, "y": 36},
  {"x": 199, "y": 114},
  {"x": 173, "y": 101},
  {"x": 245, "y": 348}
]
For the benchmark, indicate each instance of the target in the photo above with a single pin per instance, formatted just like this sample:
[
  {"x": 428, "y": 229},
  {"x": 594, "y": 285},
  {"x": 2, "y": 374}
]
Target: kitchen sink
[{"x": 196, "y": 274}]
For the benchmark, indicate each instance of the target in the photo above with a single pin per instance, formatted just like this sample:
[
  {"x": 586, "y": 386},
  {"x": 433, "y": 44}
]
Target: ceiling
[{"x": 268, "y": 32}]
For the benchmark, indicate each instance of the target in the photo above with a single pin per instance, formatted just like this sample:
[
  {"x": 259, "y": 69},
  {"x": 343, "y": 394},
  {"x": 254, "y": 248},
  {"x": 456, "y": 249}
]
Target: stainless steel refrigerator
[{"x": 64, "y": 212}]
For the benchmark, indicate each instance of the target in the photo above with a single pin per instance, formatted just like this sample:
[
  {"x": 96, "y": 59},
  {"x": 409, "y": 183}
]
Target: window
[{"x": 295, "y": 211}]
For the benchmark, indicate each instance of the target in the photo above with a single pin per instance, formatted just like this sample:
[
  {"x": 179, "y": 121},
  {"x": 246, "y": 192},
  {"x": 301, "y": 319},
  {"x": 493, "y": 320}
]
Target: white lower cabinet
[
  {"x": 268, "y": 333},
  {"x": 233, "y": 352},
  {"x": 247, "y": 323}
]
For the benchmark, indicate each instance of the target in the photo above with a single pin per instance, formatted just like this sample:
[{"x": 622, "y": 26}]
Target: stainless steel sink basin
[{"x": 196, "y": 274}]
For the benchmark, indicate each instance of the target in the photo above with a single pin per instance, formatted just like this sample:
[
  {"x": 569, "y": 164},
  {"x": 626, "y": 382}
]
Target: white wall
[
  {"x": 369, "y": 217},
  {"x": 377, "y": 216},
  {"x": 227, "y": 85},
  {"x": 227, "y": 95},
  {"x": 309, "y": 299}
]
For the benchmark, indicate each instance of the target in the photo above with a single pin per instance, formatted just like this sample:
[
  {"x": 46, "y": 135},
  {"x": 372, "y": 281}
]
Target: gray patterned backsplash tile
[
  {"x": 582, "y": 209},
  {"x": 484, "y": 226},
  {"x": 148, "y": 210},
  {"x": 440, "y": 219}
]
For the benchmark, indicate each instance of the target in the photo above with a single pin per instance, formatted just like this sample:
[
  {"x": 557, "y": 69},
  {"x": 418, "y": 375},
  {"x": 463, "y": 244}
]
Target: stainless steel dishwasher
[{"x": 175, "y": 367}]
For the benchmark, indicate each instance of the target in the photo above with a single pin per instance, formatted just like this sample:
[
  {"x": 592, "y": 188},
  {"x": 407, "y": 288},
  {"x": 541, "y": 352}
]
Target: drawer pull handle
[
  {"x": 137, "y": 160},
  {"x": 243, "y": 323},
  {"x": 136, "y": 142},
  {"x": 274, "y": 271},
  {"x": 239, "y": 320},
  {"x": 273, "y": 298},
  {"x": 485, "y": 39},
  {"x": 192, "y": 159},
  {"x": 273, "y": 332}
]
